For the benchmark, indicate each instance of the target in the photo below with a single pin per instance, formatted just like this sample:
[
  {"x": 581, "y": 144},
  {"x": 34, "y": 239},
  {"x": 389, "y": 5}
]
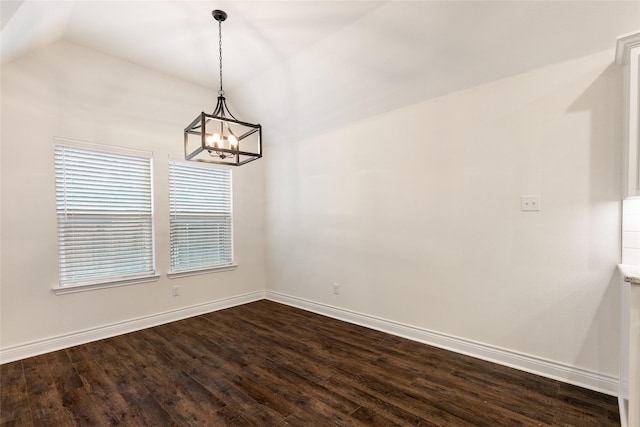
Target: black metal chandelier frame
[{"x": 232, "y": 145}]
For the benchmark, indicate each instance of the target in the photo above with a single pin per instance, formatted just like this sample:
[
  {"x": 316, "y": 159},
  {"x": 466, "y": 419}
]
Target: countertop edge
[{"x": 630, "y": 273}]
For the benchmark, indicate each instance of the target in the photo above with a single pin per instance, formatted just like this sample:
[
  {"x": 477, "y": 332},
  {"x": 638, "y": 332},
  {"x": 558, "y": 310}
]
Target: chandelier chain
[{"x": 221, "y": 91}]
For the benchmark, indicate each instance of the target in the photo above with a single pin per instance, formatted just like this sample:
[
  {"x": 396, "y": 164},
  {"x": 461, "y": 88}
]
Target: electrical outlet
[
  {"x": 530, "y": 203},
  {"x": 175, "y": 291},
  {"x": 336, "y": 288}
]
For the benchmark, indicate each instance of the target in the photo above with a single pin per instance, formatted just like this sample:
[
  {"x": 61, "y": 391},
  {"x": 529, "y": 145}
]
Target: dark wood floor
[{"x": 266, "y": 364}]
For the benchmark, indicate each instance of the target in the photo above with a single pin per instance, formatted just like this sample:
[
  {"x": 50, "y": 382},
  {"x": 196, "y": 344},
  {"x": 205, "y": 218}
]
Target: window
[
  {"x": 201, "y": 224},
  {"x": 104, "y": 207}
]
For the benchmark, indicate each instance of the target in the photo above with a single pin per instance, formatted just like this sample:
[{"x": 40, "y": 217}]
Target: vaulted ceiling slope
[
  {"x": 178, "y": 37},
  {"x": 327, "y": 58}
]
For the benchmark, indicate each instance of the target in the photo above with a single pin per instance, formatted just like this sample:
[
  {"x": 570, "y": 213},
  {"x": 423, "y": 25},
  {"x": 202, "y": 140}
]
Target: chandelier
[{"x": 219, "y": 137}]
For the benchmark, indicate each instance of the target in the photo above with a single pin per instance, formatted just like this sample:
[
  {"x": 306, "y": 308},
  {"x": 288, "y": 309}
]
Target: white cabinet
[
  {"x": 629, "y": 394},
  {"x": 634, "y": 356},
  {"x": 628, "y": 55}
]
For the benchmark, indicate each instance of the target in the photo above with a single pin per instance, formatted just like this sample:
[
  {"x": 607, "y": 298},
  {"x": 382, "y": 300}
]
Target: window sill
[
  {"x": 178, "y": 274},
  {"x": 62, "y": 290}
]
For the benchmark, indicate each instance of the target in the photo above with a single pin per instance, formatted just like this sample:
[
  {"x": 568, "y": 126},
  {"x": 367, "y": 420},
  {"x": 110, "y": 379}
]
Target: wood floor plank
[
  {"x": 184, "y": 398},
  {"x": 411, "y": 400},
  {"x": 44, "y": 400},
  {"x": 71, "y": 390},
  {"x": 352, "y": 389},
  {"x": 315, "y": 391},
  {"x": 527, "y": 402},
  {"x": 372, "y": 418},
  {"x": 321, "y": 414},
  {"x": 291, "y": 352},
  {"x": 100, "y": 386},
  {"x": 14, "y": 399},
  {"x": 268, "y": 364},
  {"x": 142, "y": 406},
  {"x": 195, "y": 344}
]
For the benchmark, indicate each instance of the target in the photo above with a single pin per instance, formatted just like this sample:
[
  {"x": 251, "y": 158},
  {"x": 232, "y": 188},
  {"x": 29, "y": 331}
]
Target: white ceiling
[
  {"x": 180, "y": 37},
  {"x": 331, "y": 56}
]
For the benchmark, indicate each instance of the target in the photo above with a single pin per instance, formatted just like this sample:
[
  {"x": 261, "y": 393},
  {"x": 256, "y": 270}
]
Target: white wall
[
  {"x": 68, "y": 91},
  {"x": 416, "y": 214}
]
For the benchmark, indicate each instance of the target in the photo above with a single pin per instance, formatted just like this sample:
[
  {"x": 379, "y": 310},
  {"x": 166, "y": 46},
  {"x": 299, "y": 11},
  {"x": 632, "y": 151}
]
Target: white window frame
[
  {"x": 67, "y": 283},
  {"x": 203, "y": 183}
]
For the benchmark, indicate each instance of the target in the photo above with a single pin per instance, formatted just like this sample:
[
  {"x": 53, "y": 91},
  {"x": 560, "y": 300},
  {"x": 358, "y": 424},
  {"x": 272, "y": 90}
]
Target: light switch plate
[{"x": 530, "y": 203}]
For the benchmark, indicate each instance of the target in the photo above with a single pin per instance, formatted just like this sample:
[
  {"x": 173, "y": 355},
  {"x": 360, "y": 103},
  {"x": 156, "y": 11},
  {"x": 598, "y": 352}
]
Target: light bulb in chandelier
[
  {"x": 222, "y": 146},
  {"x": 213, "y": 141}
]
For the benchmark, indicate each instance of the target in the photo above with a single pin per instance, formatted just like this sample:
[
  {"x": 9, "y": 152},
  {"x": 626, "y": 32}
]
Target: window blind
[
  {"x": 104, "y": 208},
  {"x": 201, "y": 224}
]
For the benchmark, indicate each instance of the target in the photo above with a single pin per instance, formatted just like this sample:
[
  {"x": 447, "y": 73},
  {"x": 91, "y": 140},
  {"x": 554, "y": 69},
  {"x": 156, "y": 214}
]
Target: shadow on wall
[
  {"x": 602, "y": 101},
  {"x": 602, "y": 339}
]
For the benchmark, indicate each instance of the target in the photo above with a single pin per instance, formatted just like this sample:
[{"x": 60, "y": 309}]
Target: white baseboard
[
  {"x": 35, "y": 348},
  {"x": 524, "y": 362}
]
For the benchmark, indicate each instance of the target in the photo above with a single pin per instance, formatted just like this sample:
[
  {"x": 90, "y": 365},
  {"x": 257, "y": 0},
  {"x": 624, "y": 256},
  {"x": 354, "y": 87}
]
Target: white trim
[
  {"x": 63, "y": 290},
  {"x": 196, "y": 272},
  {"x": 181, "y": 159},
  {"x": 524, "y": 362},
  {"x": 35, "y": 348},
  {"x": 623, "y": 407},
  {"x": 115, "y": 149},
  {"x": 624, "y": 45}
]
